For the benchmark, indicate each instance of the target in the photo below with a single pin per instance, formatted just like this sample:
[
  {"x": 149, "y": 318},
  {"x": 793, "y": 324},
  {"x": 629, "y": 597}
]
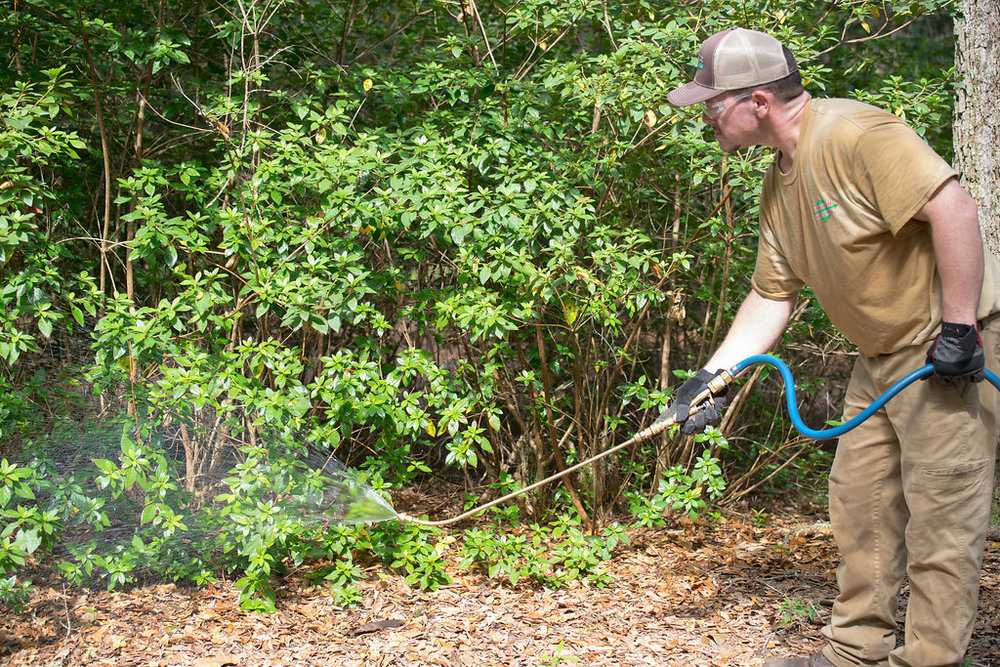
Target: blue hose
[{"x": 837, "y": 431}]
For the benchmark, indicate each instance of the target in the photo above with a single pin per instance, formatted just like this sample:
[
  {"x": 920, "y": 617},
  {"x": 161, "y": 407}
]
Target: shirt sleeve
[
  {"x": 772, "y": 277},
  {"x": 903, "y": 171}
]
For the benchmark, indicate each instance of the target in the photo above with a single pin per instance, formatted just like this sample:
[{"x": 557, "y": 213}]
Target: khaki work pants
[{"x": 910, "y": 495}]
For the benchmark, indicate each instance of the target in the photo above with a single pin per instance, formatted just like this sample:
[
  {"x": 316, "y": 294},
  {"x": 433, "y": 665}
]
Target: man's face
[{"x": 731, "y": 118}]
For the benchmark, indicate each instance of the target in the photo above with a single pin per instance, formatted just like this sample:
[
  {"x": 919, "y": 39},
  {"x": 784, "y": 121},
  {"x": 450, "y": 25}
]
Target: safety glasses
[{"x": 715, "y": 109}]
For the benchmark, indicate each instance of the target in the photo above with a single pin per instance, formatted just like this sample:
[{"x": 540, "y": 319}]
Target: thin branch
[
  {"x": 105, "y": 149},
  {"x": 858, "y": 40},
  {"x": 486, "y": 40},
  {"x": 388, "y": 37}
]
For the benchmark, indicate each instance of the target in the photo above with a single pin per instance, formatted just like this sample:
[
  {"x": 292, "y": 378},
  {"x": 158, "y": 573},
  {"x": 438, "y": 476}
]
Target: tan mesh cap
[{"x": 732, "y": 59}]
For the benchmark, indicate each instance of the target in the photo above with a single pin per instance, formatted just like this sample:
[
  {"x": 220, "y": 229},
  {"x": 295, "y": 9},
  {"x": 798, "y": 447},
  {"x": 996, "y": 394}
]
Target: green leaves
[
  {"x": 24, "y": 528},
  {"x": 473, "y": 261},
  {"x": 551, "y": 556},
  {"x": 14, "y": 482},
  {"x": 410, "y": 549}
]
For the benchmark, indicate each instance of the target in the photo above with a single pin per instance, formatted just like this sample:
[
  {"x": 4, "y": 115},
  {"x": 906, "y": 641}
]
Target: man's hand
[
  {"x": 957, "y": 354},
  {"x": 681, "y": 407}
]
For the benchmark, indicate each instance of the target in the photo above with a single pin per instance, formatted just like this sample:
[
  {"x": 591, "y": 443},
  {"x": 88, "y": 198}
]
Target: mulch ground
[{"x": 715, "y": 592}]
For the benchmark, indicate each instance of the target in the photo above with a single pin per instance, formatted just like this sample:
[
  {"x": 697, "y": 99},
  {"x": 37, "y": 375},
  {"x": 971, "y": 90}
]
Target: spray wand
[{"x": 716, "y": 386}]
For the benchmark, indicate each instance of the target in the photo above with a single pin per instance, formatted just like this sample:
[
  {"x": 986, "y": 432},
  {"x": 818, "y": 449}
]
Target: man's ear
[{"x": 762, "y": 101}]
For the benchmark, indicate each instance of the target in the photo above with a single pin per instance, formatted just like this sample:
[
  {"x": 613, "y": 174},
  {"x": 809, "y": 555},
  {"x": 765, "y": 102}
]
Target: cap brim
[{"x": 691, "y": 93}]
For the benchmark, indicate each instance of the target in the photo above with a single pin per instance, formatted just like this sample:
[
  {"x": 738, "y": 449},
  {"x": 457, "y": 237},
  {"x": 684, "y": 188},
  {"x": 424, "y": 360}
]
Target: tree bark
[{"x": 976, "y": 134}]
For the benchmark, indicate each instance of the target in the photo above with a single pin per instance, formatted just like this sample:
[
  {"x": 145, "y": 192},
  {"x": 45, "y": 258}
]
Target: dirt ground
[{"x": 720, "y": 592}]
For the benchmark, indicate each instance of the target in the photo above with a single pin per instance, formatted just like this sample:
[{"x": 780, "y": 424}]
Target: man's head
[
  {"x": 745, "y": 80},
  {"x": 739, "y": 60}
]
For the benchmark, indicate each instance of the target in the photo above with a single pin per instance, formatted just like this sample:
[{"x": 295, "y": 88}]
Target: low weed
[
  {"x": 550, "y": 555},
  {"x": 793, "y": 612},
  {"x": 679, "y": 491}
]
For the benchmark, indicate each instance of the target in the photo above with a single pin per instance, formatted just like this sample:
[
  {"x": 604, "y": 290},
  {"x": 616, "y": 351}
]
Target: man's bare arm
[{"x": 958, "y": 248}]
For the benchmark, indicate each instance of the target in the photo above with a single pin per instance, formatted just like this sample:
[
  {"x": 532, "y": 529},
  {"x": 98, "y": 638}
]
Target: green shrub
[{"x": 472, "y": 264}]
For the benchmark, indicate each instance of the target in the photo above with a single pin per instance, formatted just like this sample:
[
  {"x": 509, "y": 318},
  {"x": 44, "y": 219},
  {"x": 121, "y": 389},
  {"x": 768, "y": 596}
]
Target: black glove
[
  {"x": 681, "y": 407},
  {"x": 957, "y": 353}
]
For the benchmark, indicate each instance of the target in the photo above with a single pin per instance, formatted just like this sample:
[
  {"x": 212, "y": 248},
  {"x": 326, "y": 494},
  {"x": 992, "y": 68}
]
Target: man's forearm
[
  {"x": 958, "y": 250},
  {"x": 959, "y": 253}
]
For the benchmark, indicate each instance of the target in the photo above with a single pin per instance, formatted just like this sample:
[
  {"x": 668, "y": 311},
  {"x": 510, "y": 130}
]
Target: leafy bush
[{"x": 469, "y": 246}]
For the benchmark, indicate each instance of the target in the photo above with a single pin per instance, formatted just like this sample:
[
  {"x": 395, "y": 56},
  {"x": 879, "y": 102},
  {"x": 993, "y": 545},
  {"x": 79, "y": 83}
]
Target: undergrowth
[{"x": 116, "y": 515}]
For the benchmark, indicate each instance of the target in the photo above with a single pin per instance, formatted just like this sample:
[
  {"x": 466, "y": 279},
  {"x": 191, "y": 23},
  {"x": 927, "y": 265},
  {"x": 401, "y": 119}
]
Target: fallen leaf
[{"x": 385, "y": 624}]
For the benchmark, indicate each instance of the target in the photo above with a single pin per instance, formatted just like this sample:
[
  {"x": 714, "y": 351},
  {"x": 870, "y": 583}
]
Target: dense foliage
[{"x": 453, "y": 243}]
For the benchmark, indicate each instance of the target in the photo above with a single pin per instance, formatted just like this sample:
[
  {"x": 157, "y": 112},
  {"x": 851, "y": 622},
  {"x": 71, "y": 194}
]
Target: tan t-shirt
[{"x": 841, "y": 222}]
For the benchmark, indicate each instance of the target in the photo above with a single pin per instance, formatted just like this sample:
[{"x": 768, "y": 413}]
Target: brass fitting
[{"x": 718, "y": 384}]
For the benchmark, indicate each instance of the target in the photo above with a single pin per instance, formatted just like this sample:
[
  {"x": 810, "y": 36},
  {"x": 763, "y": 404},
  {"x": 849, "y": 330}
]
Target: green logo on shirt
[{"x": 823, "y": 210}]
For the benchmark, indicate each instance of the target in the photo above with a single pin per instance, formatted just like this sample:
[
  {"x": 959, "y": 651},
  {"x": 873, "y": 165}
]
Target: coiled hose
[
  {"x": 837, "y": 431},
  {"x": 716, "y": 386}
]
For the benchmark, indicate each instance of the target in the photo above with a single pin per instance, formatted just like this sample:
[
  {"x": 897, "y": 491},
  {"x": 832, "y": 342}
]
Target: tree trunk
[{"x": 977, "y": 152}]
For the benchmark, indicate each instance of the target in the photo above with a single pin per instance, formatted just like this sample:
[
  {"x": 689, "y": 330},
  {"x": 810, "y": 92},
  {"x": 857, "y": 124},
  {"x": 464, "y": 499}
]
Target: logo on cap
[{"x": 701, "y": 63}]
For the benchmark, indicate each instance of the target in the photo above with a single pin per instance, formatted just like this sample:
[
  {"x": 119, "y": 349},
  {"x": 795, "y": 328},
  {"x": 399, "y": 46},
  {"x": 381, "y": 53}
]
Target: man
[{"x": 862, "y": 210}]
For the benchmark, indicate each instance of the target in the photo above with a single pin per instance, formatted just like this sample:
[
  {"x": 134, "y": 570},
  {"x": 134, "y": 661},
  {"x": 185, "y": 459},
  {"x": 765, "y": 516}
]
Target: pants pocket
[{"x": 959, "y": 476}]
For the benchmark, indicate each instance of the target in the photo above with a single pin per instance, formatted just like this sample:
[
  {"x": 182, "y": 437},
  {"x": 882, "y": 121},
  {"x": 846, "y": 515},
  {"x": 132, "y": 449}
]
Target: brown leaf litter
[{"x": 715, "y": 592}]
